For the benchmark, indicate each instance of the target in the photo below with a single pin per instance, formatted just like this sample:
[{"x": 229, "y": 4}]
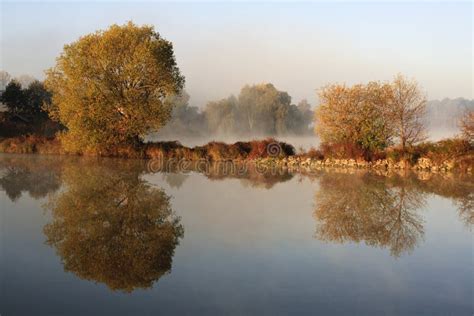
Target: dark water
[{"x": 108, "y": 237}]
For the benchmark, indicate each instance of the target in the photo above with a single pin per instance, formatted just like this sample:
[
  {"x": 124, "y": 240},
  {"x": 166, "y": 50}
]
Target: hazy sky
[{"x": 299, "y": 47}]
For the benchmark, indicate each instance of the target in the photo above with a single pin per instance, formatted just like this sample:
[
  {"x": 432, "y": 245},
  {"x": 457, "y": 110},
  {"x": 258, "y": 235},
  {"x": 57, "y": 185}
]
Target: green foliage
[
  {"x": 109, "y": 87},
  {"x": 37, "y": 99},
  {"x": 14, "y": 97},
  {"x": 27, "y": 102}
]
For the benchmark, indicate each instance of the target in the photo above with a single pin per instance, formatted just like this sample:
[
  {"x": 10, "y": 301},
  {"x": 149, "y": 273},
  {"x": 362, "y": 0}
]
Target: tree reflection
[
  {"x": 458, "y": 188},
  {"x": 37, "y": 177},
  {"x": 366, "y": 208},
  {"x": 111, "y": 226}
]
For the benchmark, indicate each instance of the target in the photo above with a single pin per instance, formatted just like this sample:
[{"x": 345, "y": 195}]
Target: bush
[
  {"x": 269, "y": 148},
  {"x": 30, "y": 145},
  {"x": 312, "y": 153},
  {"x": 342, "y": 151},
  {"x": 442, "y": 150}
]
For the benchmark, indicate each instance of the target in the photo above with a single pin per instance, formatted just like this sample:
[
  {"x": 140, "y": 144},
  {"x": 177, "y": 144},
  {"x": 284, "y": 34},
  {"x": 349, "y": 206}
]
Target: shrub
[
  {"x": 342, "y": 151},
  {"x": 443, "y": 150},
  {"x": 263, "y": 149},
  {"x": 313, "y": 153}
]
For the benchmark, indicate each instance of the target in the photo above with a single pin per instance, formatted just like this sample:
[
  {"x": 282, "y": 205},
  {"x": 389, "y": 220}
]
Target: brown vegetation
[
  {"x": 213, "y": 151},
  {"x": 455, "y": 153},
  {"x": 365, "y": 119}
]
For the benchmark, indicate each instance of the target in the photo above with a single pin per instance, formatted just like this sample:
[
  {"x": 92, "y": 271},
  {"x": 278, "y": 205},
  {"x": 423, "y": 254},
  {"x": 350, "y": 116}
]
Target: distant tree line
[
  {"x": 28, "y": 102},
  {"x": 258, "y": 110}
]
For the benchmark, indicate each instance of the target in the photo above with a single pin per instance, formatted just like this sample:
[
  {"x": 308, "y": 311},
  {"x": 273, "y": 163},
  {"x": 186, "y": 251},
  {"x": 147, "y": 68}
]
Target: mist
[{"x": 221, "y": 121}]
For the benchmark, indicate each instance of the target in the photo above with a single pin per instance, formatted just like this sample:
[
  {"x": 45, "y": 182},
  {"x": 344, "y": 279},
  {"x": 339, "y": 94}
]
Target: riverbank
[{"x": 444, "y": 156}]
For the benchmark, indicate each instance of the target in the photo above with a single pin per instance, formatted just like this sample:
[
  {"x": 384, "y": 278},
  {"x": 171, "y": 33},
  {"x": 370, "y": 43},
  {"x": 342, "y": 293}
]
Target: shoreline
[{"x": 264, "y": 154}]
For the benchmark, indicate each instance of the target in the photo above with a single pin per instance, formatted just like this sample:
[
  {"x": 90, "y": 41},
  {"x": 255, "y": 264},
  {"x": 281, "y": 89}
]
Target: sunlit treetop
[{"x": 109, "y": 87}]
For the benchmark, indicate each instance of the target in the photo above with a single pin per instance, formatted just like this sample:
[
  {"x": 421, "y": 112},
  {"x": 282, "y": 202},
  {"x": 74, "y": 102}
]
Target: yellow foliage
[{"x": 109, "y": 87}]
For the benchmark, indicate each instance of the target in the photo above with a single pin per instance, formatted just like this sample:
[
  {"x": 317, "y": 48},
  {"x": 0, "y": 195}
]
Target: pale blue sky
[{"x": 297, "y": 46}]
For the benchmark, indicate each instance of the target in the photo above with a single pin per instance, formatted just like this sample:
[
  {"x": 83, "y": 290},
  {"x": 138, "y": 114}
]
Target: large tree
[
  {"x": 109, "y": 87},
  {"x": 408, "y": 106}
]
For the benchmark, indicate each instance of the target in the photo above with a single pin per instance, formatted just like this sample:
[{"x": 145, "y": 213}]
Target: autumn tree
[
  {"x": 355, "y": 116},
  {"x": 109, "y": 87},
  {"x": 408, "y": 109}
]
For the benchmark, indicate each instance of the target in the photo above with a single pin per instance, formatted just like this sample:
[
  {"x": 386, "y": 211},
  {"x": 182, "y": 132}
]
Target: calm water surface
[{"x": 109, "y": 237}]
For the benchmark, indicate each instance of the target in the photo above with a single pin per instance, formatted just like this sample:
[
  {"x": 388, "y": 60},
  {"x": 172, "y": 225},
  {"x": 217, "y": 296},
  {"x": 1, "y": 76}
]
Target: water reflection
[
  {"x": 111, "y": 226},
  {"x": 37, "y": 177},
  {"x": 363, "y": 208},
  {"x": 458, "y": 189},
  {"x": 249, "y": 174}
]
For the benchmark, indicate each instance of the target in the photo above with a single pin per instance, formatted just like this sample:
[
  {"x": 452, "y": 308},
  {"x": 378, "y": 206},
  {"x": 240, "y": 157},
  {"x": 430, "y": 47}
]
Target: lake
[{"x": 115, "y": 237}]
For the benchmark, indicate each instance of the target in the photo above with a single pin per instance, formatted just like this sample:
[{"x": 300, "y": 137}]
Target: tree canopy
[{"x": 109, "y": 87}]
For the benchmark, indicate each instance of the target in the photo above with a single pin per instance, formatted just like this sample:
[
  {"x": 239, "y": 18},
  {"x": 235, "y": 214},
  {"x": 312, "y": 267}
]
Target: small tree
[
  {"x": 354, "y": 116},
  {"x": 408, "y": 108},
  {"x": 109, "y": 87}
]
